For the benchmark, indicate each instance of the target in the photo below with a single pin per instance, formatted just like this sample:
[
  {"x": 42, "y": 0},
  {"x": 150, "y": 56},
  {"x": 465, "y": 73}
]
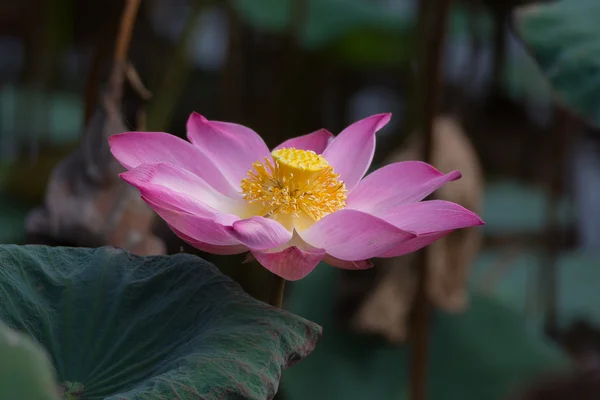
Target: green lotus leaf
[
  {"x": 25, "y": 369},
  {"x": 119, "y": 326},
  {"x": 564, "y": 38}
]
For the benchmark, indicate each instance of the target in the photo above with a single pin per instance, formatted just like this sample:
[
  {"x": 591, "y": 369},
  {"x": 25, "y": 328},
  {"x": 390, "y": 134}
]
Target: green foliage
[
  {"x": 25, "y": 370},
  {"x": 516, "y": 282},
  {"x": 564, "y": 38},
  {"x": 362, "y": 33},
  {"x": 522, "y": 79},
  {"x": 12, "y": 218},
  {"x": 128, "y": 327},
  {"x": 512, "y": 207},
  {"x": 327, "y": 21},
  {"x": 484, "y": 353},
  {"x": 29, "y": 115}
]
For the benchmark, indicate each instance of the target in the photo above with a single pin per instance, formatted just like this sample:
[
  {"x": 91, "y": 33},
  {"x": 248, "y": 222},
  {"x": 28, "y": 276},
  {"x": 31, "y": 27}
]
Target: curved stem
[
  {"x": 117, "y": 77},
  {"x": 126, "y": 29}
]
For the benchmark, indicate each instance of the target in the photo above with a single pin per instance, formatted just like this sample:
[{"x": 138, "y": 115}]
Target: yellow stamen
[{"x": 296, "y": 188}]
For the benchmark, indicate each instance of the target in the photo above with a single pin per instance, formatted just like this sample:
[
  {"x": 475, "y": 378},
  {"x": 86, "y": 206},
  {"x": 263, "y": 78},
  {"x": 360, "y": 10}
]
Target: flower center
[{"x": 296, "y": 188}]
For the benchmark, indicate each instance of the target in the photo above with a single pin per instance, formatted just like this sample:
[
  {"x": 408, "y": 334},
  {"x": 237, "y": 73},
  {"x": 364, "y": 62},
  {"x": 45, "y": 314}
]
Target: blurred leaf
[
  {"x": 515, "y": 278},
  {"x": 374, "y": 48},
  {"x": 129, "y": 327},
  {"x": 564, "y": 37},
  {"x": 25, "y": 370},
  {"x": 27, "y": 178},
  {"x": 482, "y": 354},
  {"x": 328, "y": 20},
  {"x": 12, "y": 219},
  {"x": 522, "y": 78},
  {"x": 368, "y": 34},
  {"x": 27, "y": 114},
  {"x": 513, "y": 207}
]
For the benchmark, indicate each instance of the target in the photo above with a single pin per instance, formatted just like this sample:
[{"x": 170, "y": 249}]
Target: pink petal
[
  {"x": 336, "y": 262},
  {"x": 351, "y": 152},
  {"x": 232, "y": 147},
  {"x": 353, "y": 235},
  {"x": 291, "y": 263},
  {"x": 259, "y": 233},
  {"x": 316, "y": 141},
  {"x": 415, "y": 244},
  {"x": 430, "y": 220},
  {"x": 396, "y": 184},
  {"x": 180, "y": 188},
  {"x": 429, "y": 217},
  {"x": 133, "y": 149},
  {"x": 210, "y": 248},
  {"x": 198, "y": 228}
]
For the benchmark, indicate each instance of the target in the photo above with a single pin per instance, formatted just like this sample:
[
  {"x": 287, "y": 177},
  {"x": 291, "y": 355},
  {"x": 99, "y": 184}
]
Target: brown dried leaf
[
  {"x": 386, "y": 308},
  {"x": 86, "y": 203}
]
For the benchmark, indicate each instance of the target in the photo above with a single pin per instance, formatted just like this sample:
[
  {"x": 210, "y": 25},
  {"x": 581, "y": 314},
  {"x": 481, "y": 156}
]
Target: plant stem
[
  {"x": 126, "y": 30},
  {"x": 117, "y": 76},
  {"x": 554, "y": 235},
  {"x": 277, "y": 289},
  {"x": 432, "y": 20}
]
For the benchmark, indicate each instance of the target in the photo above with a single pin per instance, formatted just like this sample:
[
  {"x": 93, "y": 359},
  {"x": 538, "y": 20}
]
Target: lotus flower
[{"x": 302, "y": 203}]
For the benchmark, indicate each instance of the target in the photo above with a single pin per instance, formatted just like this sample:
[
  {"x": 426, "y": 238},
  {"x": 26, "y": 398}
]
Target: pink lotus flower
[{"x": 304, "y": 202}]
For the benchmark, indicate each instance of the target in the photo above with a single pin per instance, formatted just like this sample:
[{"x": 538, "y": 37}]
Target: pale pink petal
[
  {"x": 291, "y": 263},
  {"x": 353, "y": 235},
  {"x": 232, "y": 147},
  {"x": 210, "y": 248},
  {"x": 351, "y": 152},
  {"x": 395, "y": 184},
  {"x": 316, "y": 141},
  {"x": 415, "y": 244},
  {"x": 259, "y": 233},
  {"x": 429, "y": 217},
  {"x": 336, "y": 262},
  {"x": 180, "y": 188},
  {"x": 198, "y": 228},
  {"x": 133, "y": 149}
]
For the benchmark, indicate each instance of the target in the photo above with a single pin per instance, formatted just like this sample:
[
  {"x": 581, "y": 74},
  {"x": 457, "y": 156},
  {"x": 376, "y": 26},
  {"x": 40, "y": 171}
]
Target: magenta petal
[
  {"x": 353, "y": 235},
  {"x": 316, "y": 141},
  {"x": 232, "y": 147},
  {"x": 336, "y": 262},
  {"x": 351, "y": 152},
  {"x": 430, "y": 217},
  {"x": 259, "y": 233},
  {"x": 198, "y": 228},
  {"x": 211, "y": 248},
  {"x": 181, "y": 189},
  {"x": 396, "y": 184},
  {"x": 133, "y": 149},
  {"x": 291, "y": 263}
]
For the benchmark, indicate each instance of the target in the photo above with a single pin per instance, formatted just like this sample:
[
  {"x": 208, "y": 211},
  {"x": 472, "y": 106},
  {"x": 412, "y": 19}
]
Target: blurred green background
[{"x": 288, "y": 67}]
